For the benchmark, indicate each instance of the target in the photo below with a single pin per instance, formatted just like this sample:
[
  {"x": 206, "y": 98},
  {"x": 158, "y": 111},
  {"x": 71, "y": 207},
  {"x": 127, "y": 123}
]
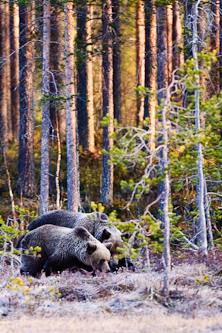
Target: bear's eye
[{"x": 102, "y": 261}]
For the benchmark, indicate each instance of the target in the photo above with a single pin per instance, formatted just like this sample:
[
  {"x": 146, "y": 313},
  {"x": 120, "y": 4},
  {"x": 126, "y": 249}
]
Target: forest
[{"x": 115, "y": 106}]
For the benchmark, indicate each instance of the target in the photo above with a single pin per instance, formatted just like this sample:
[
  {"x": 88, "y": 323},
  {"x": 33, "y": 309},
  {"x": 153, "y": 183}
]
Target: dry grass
[{"x": 123, "y": 302}]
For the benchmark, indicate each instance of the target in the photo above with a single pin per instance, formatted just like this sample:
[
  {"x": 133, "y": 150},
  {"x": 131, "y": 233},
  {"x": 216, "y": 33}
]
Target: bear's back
[{"x": 62, "y": 218}]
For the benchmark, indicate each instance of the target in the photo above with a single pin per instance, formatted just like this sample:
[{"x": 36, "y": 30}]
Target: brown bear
[
  {"x": 62, "y": 248},
  {"x": 96, "y": 223}
]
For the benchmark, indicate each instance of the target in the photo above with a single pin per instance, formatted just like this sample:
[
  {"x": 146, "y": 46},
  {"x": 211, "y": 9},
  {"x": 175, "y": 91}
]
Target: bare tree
[
  {"x": 200, "y": 177},
  {"x": 44, "y": 184},
  {"x": 71, "y": 137},
  {"x": 107, "y": 169},
  {"x": 162, "y": 82}
]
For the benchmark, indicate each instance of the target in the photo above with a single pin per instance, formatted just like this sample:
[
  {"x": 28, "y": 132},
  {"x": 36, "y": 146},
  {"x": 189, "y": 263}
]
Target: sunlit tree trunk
[
  {"x": 8, "y": 69},
  {"x": 71, "y": 139},
  {"x": 140, "y": 55},
  {"x": 178, "y": 56},
  {"x": 162, "y": 82},
  {"x": 14, "y": 24},
  {"x": 150, "y": 68},
  {"x": 26, "y": 178},
  {"x": 169, "y": 40},
  {"x": 3, "y": 90},
  {"x": 89, "y": 75},
  {"x": 44, "y": 182},
  {"x": 116, "y": 62},
  {"x": 107, "y": 169}
]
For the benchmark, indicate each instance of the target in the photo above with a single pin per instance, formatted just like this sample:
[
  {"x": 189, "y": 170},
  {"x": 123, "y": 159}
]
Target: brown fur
[
  {"x": 96, "y": 223},
  {"x": 62, "y": 248}
]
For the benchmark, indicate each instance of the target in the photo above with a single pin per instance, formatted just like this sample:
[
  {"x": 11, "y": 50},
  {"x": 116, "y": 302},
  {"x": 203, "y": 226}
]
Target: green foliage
[
  {"x": 99, "y": 207},
  {"x": 7, "y": 232},
  {"x": 105, "y": 121},
  {"x": 113, "y": 216},
  {"x": 33, "y": 251}
]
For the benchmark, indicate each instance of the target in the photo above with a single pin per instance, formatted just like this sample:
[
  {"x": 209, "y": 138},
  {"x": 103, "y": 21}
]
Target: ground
[{"x": 123, "y": 302}]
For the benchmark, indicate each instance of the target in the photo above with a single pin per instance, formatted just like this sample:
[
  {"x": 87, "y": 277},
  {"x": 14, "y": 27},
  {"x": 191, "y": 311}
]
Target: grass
[{"x": 123, "y": 302}]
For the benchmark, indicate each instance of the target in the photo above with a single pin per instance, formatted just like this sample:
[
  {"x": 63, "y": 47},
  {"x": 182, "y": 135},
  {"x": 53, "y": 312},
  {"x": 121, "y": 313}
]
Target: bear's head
[
  {"x": 114, "y": 236},
  {"x": 99, "y": 256}
]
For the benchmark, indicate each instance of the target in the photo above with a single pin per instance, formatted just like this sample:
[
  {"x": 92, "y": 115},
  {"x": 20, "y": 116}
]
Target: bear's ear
[
  {"x": 91, "y": 247},
  {"x": 81, "y": 233},
  {"x": 105, "y": 235},
  {"x": 108, "y": 245}
]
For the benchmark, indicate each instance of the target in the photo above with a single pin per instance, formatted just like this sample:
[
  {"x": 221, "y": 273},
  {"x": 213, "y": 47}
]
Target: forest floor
[{"x": 123, "y": 302}]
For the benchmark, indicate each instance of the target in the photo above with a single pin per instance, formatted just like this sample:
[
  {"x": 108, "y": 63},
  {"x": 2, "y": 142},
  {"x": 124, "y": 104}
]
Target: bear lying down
[{"x": 62, "y": 248}]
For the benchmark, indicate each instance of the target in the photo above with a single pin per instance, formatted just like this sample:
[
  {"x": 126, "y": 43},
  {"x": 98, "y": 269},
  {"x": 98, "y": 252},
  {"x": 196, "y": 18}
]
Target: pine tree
[
  {"x": 140, "y": 54},
  {"x": 150, "y": 68},
  {"x": 44, "y": 182},
  {"x": 26, "y": 179},
  {"x": 107, "y": 168},
  {"x": 71, "y": 126}
]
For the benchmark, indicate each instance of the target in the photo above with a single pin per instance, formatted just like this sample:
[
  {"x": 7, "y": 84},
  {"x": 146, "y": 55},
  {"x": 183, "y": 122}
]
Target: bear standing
[
  {"x": 96, "y": 223},
  {"x": 62, "y": 248}
]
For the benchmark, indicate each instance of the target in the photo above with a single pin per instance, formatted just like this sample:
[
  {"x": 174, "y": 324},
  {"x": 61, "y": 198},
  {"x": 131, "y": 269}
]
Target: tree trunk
[
  {"x": 208, "y": 219},
  {"x": 215, "y": 45},
  {"x": 169, "y": 40},
  {"x": 140, "y": 55},
  {"x": 150, "y": 68},
  {"x": 81, "y": 101},
  {"x": 8, "y": 69},
  {"x": 178, "y": 57},
  {"x": 26, "y": 178},
  {"x": 14, "y": 23},
  {"x": 89, "y": 87},
  {"x": 71, "y": 137},
  {"x": 107, "y": 169},
  {"x": 220, "y": 46},
  {"x": 55, "y": 62},
  {"x": 116, "y": 62},
  {"x": 3, "y": 88},
  {"x": 162, "y": 82},
  {"x": 200, "y": 176},
  {"x": 44, "y": 184},
  {"x": 166, "y": 197},
  {"x": 85, "y": 107}
]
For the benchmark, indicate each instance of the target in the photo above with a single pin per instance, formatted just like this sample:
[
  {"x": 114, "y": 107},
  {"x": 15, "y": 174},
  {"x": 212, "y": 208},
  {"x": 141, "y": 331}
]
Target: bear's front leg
[{"x": 51, "y": 265}]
